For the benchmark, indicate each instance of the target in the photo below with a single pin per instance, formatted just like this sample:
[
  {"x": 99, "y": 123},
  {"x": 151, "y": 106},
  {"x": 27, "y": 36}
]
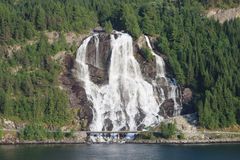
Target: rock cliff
[
  {"x": 98, "y": 61},
  {"x": 224, "y": 15}
]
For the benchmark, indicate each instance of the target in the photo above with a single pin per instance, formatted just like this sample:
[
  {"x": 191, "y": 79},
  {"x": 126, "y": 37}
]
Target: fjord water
[{"x": 120, "y": 152}]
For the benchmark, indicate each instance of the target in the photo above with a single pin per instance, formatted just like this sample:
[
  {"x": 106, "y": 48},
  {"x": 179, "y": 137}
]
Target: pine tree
[
  {"x": 130, "y": 21},
  {"x": 40, "y": 18},
  {"x": 108, "y": 26}
]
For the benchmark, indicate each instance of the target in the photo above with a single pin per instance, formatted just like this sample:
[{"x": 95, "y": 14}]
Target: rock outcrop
[
  {"x": 98, "y": 60},
  {"x": 77, "y": 95},
  {"x": 187, "y": 95},
  {"x": 224, "y": 15},
  {"x": 98, "y": 74},
  {"x": 148, "y": 68},
  {"x": 98, "y": 66}
]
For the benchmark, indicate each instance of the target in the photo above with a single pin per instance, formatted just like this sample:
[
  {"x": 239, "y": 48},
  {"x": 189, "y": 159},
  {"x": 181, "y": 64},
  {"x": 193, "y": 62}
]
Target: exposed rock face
[
  {"x": 73, "y": 38},
  {"x": 7, "y": 124},
  {"x": 167, "y": 108},
  {"x": 149, "y": 72},
  {"x": 187, "y": 95},
  {"x": 224, "y": 15},
  {"x": 52, "y": 36},
  {"x": 99, "y": 62},
  {"x": 187, "y": 103},
  {"x": 76, "y": 92},
  {"x": 98, "y": 59},
  {"x": 186, "y": 124},
  {"x": 98, "y": 74},
  {"x": 148, "y": 68}
]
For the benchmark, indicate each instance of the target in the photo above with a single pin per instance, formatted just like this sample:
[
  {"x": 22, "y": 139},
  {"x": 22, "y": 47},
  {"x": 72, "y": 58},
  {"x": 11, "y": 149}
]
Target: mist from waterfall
[{"x": 127, "y": 101}]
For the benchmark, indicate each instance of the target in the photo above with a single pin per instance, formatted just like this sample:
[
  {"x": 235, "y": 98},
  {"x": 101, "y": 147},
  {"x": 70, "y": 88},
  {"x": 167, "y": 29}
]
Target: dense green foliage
[
  {"x": 168, "y": 130},
  {"x": 164, "y": 130},
  {"x": 203, "y": 54},
  {"x": 34, "y": 132},
  {"x": 70, "y": 134},
  {"x": 181, "y": 136},
  {"x": 28, "y": 84},
  {"x": 20, "y": 19},
  {"x": 58, "y": 135},
  {"x": 220, "y": 3},
  {"x": 147, "y": 53},
  {"x": 108, "y": 27}
]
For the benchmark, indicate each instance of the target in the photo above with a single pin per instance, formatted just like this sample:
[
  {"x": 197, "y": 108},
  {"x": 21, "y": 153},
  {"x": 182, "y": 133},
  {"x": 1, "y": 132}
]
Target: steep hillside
[
  {"x": 222, "y": 15},
  {"x": 38, "y": 50}
]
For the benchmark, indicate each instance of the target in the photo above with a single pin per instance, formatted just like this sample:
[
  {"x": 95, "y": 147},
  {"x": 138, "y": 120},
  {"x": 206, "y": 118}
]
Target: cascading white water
[
  {"x": 83, "y": 73},
  {"x": 159, "y": 61},
  {"x": 172, "y": 94},
  {"x": 97, "y": 50},
  {"x": 127, "y": 101}
]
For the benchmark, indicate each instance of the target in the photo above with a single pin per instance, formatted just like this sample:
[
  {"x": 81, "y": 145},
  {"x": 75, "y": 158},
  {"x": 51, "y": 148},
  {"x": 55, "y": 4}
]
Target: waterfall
[
  {"x": 96, "y": 39},
  {"x": 127, "y": 101},
  {"x": 83, "y": 73},
  {"x": 159, "y": 61},
  {"x": 173, "y": 94},
  {"x": 173, "y": 89}
]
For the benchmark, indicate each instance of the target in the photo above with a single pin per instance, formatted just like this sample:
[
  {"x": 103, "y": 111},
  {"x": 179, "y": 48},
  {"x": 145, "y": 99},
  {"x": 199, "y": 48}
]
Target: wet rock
[
  {"x": 140, "y": 127},
  {"x": 75, "y": 90},
  {"x": 167, "y": 108},
  {"x": 108, "y": 124},
  {"x": 98, "y": 68},
  {"x": 99, "y": 62},
  {"x": 148, "y": 68},
  {"x": 139, "y": 117},
  {"x": 98, "y": 76},
  {"x": 187, "y": 95},
  {"x": 69, "y": 62}
]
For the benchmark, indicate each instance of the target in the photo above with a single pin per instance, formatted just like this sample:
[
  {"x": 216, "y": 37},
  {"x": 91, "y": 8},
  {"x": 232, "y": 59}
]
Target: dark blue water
[{"x": 121, "y": 152}]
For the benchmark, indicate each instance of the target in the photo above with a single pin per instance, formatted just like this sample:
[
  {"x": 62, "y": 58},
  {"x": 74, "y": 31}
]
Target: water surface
[{"x": 120, "y": 152}]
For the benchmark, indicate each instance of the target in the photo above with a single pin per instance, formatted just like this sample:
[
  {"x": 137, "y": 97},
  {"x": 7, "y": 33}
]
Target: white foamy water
[
  {"x": 96, "y": 39},
  {"x": 127, "y": 101},
  {"x": 173, "y": 89}
]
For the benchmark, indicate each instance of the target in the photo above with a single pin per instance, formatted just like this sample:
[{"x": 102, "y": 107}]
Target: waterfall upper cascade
[
  {"x": 127, "y": 101},
  {"x": 173, "y": 92}
]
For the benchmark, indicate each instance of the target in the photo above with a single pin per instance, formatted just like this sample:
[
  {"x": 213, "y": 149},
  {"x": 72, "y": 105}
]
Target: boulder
[{"x": 187, "y": 95}]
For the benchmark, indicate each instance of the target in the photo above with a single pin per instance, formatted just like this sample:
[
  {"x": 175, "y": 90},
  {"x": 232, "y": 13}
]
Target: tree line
[
  {"x": 203, "y": 54},
  {"x": 29, "y": 85}
]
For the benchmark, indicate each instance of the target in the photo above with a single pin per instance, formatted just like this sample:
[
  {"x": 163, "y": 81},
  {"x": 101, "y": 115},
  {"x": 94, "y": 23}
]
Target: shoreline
[
  {"x": 180, "y": 142},
  {"x": 210, "y": 141}
]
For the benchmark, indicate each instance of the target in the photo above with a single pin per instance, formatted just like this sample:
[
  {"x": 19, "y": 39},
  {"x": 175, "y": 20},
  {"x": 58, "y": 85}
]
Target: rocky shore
[
  {"x": 186, "y": 124},
  {"x": 210, "y": 141},
  {"x": 159, "y": 141},
  {"x": 41, "y": 142}
]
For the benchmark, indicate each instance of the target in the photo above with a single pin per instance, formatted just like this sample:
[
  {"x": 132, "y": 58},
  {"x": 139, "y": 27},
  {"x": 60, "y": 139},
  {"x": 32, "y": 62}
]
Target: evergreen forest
[{"x": 203, "y": 54}]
